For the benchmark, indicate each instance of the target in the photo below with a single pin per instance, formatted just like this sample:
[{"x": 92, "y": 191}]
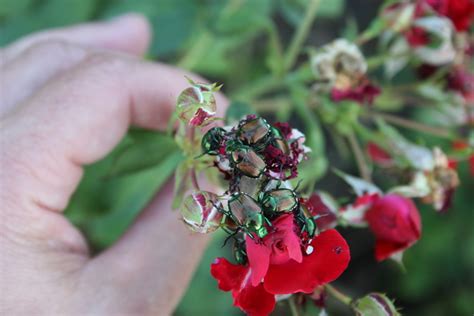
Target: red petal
[
  {"x": 259, "y": 259},
  {"x": 229, "y": 276},
  {"x": 395, "y": 219},
  {"x": 255, "y": 301},
  {"x": 377, "y": 154},
  {"x": 385, "y": 249},
  {"x": 328, "y": 260}
]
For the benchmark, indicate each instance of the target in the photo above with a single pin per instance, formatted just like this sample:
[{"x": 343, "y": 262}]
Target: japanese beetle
[
  {"x": 240, "y": 254},
  {"x": 279, "y": 200},
  {"x": 247, "y": 161},
  {"x": 254, "y": 131},
  {"x": 246, "y": 212},
  {"x": 309, "y": 227},
  {"x": 279, "y": 141},
  {"x": 307, "y": 224},
  {"x": 212, "y": 140}
]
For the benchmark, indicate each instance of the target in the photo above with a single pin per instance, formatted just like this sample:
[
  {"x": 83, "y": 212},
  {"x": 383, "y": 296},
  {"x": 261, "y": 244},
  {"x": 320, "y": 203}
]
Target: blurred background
[{"x": 232, "y": 42}]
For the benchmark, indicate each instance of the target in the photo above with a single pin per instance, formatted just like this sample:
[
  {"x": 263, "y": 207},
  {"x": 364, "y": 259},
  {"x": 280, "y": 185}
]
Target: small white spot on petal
[{"x": 309, "y": 250}]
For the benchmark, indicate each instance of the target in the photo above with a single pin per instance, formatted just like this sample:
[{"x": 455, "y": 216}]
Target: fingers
[
  {"x": 153, "y": 262},
  {"x": 128, "y": 33},
  {"x": 78, "y": 118},
  {"x": 31, "y": 62}
]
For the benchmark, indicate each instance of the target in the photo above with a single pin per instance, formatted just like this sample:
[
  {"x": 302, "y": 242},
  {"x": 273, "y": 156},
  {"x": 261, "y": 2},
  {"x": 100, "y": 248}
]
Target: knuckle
[{"x": 104, "y": 62}]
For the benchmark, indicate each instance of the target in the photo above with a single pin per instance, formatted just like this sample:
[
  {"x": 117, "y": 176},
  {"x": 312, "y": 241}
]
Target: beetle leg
[
  {"x": 232, "y": 235},
  {"x": 268, "y": 222}
]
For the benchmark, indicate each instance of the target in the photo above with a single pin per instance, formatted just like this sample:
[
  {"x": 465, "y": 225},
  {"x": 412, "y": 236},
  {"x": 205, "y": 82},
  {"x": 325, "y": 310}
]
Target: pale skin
[{"x": 68, "y": 96}]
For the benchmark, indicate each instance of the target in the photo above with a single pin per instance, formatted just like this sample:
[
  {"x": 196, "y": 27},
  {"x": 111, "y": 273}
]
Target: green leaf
[
  {"x": 237, "y": 110},
  {"x": 173, "y": 21},
  {"x": 48, "y": 14},
  {"x": 416, "y": 156},
  {"x": 146, "y": 149},
  {"x": 359, "y": 185},
  {"x": 294, "y": 10},
  {"x": 10, "y": 8},
  {"x": 126, "y": 197},
  {"x": 242, "y": 16}
]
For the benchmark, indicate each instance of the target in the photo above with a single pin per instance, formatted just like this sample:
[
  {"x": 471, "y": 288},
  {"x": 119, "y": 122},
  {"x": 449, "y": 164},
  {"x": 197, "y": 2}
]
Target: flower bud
[
  {"x": 197, "y": 104},
  {"x": 399, "y": 16},
  {"x": 376, "y": 304},
  {"x": 200, "y": 212},
  {"x": 396, "y": 224}
]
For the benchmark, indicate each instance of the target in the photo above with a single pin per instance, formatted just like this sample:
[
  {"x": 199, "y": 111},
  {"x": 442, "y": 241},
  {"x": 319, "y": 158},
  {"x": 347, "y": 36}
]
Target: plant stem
[
  {"x": 437, "y": 131},
  {"x": 341, "y": 297},
  {"x": 301, "y": 34},
  {"x": 359, "y": 155},
  {"x": 293, "y": 307}
]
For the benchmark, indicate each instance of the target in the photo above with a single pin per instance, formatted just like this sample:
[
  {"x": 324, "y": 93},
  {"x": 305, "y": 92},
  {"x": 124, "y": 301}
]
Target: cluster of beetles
[{"x": 240, "y": 154}]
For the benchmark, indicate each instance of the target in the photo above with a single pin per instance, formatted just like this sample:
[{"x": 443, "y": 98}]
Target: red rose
[
  {"x": 278, "y": 265},
  {"x": 396, "y": 223},
  {"x": 460, "y": 12},
  {"x": 255, "y": 301}
]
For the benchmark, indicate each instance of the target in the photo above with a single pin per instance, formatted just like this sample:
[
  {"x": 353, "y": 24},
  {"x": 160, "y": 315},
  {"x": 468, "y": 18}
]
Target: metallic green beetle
[
  {"x": 212, "y": 140},
  {"x": 247, "y": 214},
  {"x": 279, "y": 200},
  {"x": 247, "y": 161},
  {"x": 307, "y": 224},
  {"x": 254, "y": 131},
  {"x": 279, "y": 141}
]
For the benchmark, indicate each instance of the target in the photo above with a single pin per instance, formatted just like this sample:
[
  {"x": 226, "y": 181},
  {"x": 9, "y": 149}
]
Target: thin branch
[
  {"x": 436, "y": 131},
  {"x": 293, "y": 307},
  {"x": 360, "y": 158},
  {"x": 301, "y": 34},
  {"x": 341, "y": 297}
]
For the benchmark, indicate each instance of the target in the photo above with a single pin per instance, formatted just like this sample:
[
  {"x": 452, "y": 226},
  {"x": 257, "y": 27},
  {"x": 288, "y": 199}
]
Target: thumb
[{"x": 151, "y": 265}]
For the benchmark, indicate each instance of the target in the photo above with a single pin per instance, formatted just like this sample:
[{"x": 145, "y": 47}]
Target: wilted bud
[
  {"x": 439, "y": 51},
  {"x": 197, "y": 104},
  {"x": 200, "y": 212},
  {"x": 442, "y": 181},
  {"x": 339, "y": 65},
  {"x": 375, "y": 304}
]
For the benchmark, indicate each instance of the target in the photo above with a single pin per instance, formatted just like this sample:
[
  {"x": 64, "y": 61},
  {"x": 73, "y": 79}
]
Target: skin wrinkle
[{"x": 73, "y": 119}]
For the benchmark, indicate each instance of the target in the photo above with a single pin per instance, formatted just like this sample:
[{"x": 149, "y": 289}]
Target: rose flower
[{"x": 396, "y": 223}]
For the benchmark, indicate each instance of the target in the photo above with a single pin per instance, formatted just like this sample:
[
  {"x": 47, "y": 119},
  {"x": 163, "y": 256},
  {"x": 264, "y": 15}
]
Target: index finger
[{"x": 79, "y": 117}]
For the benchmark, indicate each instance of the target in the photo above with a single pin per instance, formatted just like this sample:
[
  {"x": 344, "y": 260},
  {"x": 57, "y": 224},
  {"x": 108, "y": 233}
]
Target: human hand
[{"x": 68, "y": 96}]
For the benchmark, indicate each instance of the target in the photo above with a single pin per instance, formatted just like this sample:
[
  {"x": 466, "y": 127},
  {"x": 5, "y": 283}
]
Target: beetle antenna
[{"x": 298, "y": 185}]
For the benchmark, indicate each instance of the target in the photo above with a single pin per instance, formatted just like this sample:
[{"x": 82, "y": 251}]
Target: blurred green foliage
[{"x": 235, "y": 42}]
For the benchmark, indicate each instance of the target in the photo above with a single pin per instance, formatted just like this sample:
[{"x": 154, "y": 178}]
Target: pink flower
[{"x": 396, "y": 223}]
